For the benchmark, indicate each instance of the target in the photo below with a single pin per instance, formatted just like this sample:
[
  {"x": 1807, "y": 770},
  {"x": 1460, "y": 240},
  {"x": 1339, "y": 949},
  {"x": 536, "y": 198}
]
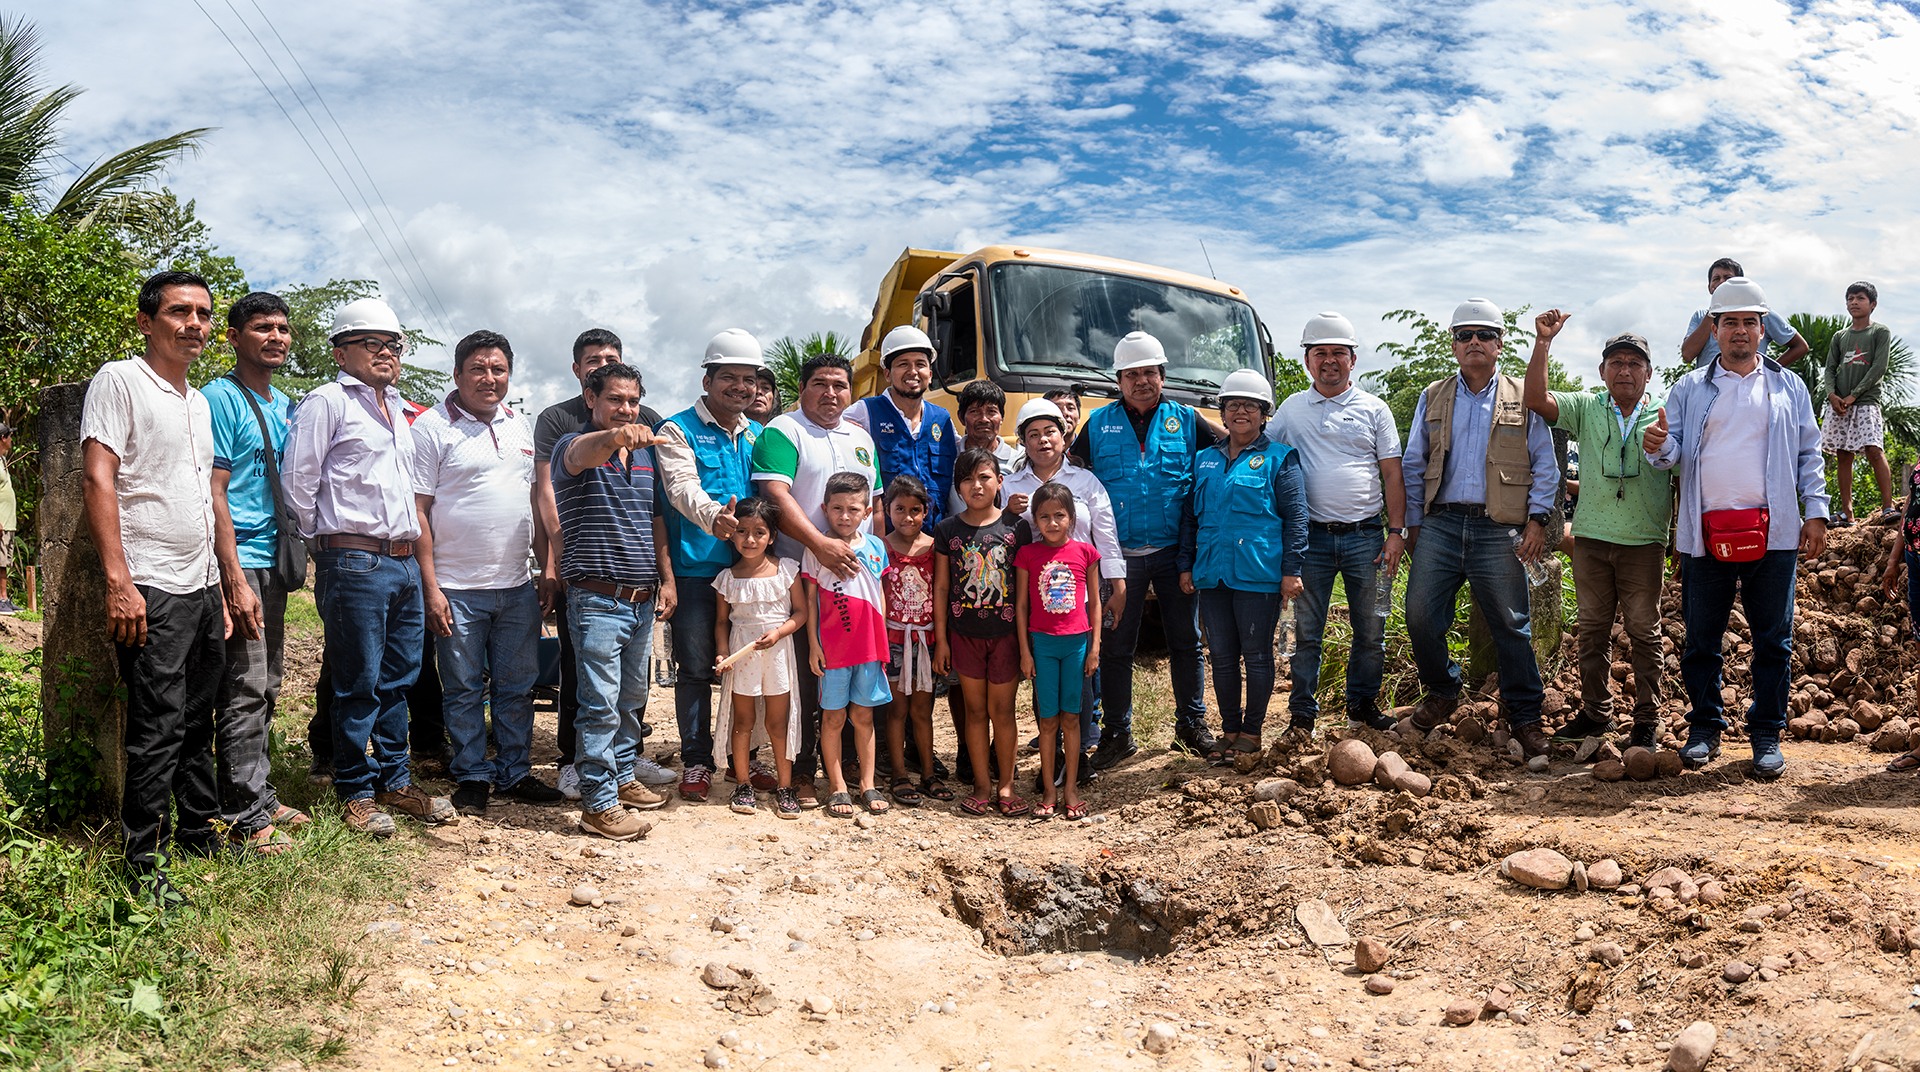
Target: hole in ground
[{"x": 1060, "y": 908}]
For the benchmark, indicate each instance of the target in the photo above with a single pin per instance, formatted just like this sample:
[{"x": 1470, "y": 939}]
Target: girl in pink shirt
[{"x": 1056, "y": 605}]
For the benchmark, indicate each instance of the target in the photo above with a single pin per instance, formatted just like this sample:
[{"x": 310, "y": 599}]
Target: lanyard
[{"x": 1626, "y": 438}]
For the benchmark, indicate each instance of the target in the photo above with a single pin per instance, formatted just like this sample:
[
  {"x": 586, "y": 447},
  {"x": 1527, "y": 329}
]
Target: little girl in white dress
[{"x": 759, "y": 607}]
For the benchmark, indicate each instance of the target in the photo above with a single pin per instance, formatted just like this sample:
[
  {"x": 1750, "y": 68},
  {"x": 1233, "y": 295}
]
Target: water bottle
[
  {"x": 1536, "y": 569},
  {"x": 1288, "y": 630},
  {"x": 1382, "y": 592}
]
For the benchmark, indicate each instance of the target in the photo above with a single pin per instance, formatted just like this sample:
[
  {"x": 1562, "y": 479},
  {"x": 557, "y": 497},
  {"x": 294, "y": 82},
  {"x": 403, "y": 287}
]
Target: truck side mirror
[{"x": 936, "y": 304}]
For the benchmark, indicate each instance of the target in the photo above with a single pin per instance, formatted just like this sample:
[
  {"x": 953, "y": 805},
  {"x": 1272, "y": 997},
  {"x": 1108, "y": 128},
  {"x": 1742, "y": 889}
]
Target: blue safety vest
[
  {"x": 1241, "y": 537},
  {"x": 1149, "y": 485},
  {"x": 927, "y": 457},
  {"x": 726, "y": 468}
]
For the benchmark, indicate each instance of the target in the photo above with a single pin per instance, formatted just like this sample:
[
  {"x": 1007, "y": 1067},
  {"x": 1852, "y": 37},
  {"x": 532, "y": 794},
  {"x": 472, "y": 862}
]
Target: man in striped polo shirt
[{"x": 611, "y": 533}]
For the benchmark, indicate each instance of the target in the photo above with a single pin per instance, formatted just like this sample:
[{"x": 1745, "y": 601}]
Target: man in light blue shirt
[
  {"x": 1700, "y": 346},
  {"x": 1480, "y": 471},
  {"x": 1717, "y": 421}
]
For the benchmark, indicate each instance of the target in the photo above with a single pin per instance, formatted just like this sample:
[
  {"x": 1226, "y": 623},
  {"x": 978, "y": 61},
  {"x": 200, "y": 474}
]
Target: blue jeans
[
  {"x": 614, "y": 640},
  {"x": 1765, "y": 587},
  {"x": 1453, "y": 550},
  {"x": 1240, "y": 629},
  {"x": 1349, "y": 556},
  {"x": 376, "y": 627},
  {"x": 693, "y": 650},
  {"x": 1181, "y": 624},
  {"x": 492, "y": 659}
]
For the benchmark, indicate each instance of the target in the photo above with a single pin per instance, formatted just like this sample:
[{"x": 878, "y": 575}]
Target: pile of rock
[
  {"x": 1352, "y": 762},
  {"x": 1548, "y": 869}
]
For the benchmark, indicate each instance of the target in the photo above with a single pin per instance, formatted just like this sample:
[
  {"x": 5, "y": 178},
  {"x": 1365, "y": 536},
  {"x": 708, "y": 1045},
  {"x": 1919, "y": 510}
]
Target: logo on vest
[
  {"x": 750, "y": 437},
  {"x": 935, "y": 433},
  {"x": 1171, "y": 424},
  {"x": 1256, "y": 461},
  {"x": 861, "y": 455}
]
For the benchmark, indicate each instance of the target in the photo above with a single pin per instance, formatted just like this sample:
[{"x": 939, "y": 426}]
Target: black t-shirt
[
  {"x": 1080, "y": 451},
  {"x": 570, "y": 416},
  {"x": 980, "y": 577}
]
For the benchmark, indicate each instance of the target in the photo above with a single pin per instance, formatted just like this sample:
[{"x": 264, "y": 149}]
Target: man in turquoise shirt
[{"x": 1620, "y": 529}]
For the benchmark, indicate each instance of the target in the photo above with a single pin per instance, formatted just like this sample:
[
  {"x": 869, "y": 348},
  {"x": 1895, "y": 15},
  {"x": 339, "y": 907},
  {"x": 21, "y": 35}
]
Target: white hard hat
[
  {"x": 364, "y": 314},
  {"x": 1737, "y": 295},
  {"x": 902, "y": 339},
  {"x": 734, "y": 346},
  {"x": 1477, "y": 313},
  {"x": 1246, "y": 383},
  {"x": 1138, "y": 350},
  {"x": 1038, "y": 407},
  {"x": 1328, "y": 329}
]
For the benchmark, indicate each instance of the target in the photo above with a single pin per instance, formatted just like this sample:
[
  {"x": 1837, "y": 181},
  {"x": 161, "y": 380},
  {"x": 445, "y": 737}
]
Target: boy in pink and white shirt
[{"x": 847, "y": 625}]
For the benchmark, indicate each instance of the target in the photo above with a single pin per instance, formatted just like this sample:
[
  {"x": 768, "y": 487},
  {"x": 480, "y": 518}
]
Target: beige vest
[{"x": 1509, "y": 469}]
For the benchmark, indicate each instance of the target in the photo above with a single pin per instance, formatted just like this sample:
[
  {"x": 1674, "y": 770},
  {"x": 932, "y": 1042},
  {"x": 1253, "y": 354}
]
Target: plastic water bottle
[
  {"x": 1536, "y": 569},
  {"x": 1288, "y": 630},
  {"x": 1382, "y": 592}
]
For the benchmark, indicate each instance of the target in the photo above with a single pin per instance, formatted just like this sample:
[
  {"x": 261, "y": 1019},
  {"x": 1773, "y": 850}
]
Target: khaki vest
[{"x": 1509, "y": 469}]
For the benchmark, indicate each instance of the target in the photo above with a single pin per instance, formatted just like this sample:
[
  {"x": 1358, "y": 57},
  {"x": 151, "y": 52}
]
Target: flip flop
[
  {"x": 840, "y": 806},
  {"x": 936, "y": 789},
  {"x": 1904, "y": 762},
  {"x": 1012, "y": 807},
  {"x": 904, "y": 794},
  {"x": 876, "y": 801},
  {"x": 1042, "y": 812},
  {"x": 976, "y": 805},
  {"x": 1076, "y": 812}
]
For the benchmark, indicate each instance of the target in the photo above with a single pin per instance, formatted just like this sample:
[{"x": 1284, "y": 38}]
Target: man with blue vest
[
  {"x": 1143, "y": 449},
  {"x": 914, "y": 437},
  {"x": 705, "y": 458}
]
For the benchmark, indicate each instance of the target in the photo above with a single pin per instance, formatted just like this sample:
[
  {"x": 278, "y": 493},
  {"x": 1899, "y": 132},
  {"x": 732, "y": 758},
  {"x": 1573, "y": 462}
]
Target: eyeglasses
[
  {"x": 373, "y": 344},
  {"x": 1483, "y": 334}
]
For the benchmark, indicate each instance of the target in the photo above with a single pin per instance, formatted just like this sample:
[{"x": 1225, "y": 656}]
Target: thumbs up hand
[
  {"x": 1656, "y": 436},
  {"x": 724, "y": 523}
]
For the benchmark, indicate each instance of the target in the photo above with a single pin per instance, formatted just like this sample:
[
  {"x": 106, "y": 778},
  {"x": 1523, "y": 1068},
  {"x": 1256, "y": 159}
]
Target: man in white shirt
[
  {"x": 1350, "y": 454},
  {"x": 348, "y": 480},
  {"x": 473, "y": 489},
  {"x": 147, "y": 441}
]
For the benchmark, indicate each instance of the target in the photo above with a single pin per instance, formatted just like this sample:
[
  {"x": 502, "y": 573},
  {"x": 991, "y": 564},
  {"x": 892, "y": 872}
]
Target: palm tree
[
  {"x": 786, "y": 355},
  {"x": 113, "y": 192}
]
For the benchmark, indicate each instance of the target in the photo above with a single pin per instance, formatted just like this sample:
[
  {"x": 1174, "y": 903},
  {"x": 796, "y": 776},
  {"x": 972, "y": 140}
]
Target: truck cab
[{"x": 1034, "y": 320}]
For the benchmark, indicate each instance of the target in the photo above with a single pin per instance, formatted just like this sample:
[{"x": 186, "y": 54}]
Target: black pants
[
  {"x": 426, "y": 719},
  {"x": 171, "y": 682}
]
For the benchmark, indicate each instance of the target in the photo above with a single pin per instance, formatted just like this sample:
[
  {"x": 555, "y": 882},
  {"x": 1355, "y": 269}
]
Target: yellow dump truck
[{"x": 1034, "y": 320}]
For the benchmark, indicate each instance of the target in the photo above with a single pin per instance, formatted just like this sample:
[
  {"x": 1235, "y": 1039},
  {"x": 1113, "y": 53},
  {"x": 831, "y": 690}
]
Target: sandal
[
  {"x": 976, "y": 805},
  {"x": 265, "y": 841},
  {"x": 808, "y": 796},
  {"x": 936, "y": 789},
  {"x": 876, "y": 801},
  {"x": 289, "y": 817},
  {"x": 904, "y": 794},
  {"x": 840, "y": 806},
  {"x": 1076, "y": 812},
  {"x": 1042, "y": 812},
  {"x": 1904, "y": 762},
  {"x": 1012, "y": 807}
]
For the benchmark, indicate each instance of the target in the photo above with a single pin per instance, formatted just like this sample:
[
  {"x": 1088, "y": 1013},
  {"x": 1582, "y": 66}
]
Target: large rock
[
  {"x": 1692, "y": 1047},
  {"x": 1371, "y": 954},
  {"x": 1322, "y": 925},
  {"x": 1387, "y": 768},
  {"x": 1351, "y": 762},
  {"x": 1542, "y": 869},
  {"x": 1604, "y": 875}
]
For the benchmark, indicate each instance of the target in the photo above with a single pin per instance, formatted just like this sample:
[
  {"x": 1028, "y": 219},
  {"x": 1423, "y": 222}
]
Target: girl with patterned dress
[
  {"x": 760, "y": 606},
  {"x": 908, "y": 583}
]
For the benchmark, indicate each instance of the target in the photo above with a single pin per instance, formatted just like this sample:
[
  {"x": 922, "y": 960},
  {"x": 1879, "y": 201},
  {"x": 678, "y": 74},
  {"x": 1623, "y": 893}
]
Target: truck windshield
[{"x": 1048, "y": 319}]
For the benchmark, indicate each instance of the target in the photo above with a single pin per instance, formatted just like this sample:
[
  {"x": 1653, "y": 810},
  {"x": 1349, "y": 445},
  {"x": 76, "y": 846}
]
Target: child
[
  {"x": 846, "y": 621},
  {"x": 974, "y": 623},
  {"x": 908, "y": 583},
  {"x": 758, "y": 606},
  {"x": 1057, "y": 603},
  {"x": 1906, "y": 550}
]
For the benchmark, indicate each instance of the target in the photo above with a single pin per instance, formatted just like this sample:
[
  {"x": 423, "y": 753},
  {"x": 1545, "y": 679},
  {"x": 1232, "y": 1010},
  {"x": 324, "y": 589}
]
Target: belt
[
  {"x": 344, "y": 542},
  {"x": 1368, "y": 525},
  {"x": 626, "y": 593},
  {"x": 1468, "y": 509}
]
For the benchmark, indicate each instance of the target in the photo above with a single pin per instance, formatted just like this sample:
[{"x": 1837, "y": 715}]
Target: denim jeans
[
  {"x": 1181, "y": 624},
  {"x": 1349, "y": 556},
  {"x": 693, "y": 649},
  {"x": 614, "y": 641},
  {"x": 1453, "y": 550},
  {"x": 1765, "y": 587},
  {"x": 1240, "y": 629},
  {"x": 169, "y": 736},
  {"x": 491, "y": 660},
  {"x": 243, "y": 711},
  {"x": 376, "y": 627}
]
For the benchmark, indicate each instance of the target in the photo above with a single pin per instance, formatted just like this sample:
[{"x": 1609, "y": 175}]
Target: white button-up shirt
[
  {"x": 347, "y": 470},
  {"x": 1092, "y": 512},
  {"x": 480, "y": 476},
  {"x": 1341, "y": 441},
  {"x": 164, "y": 440}
]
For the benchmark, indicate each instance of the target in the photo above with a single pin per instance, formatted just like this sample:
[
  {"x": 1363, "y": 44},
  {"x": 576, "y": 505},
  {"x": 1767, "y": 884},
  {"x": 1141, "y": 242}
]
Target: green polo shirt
[{"x": 1623, "y": 498}]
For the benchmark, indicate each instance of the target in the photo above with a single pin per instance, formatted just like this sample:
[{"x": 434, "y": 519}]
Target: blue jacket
[
  {"x": 725, "y": 468},
  {"x": 1247, "y": 525},
  {"x": 1150, "y": 484},
  {"x": 927, "y": 457}
]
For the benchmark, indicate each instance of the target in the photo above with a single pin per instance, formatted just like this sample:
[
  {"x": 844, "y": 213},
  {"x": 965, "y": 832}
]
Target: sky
[{"x": 668, "y": 170}]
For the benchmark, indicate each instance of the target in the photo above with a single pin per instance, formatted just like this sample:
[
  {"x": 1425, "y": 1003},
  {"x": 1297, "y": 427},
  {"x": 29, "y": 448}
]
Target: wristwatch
[
  {"x": 1539, "y": 519},
  {"x": 1391, "y": 531}
]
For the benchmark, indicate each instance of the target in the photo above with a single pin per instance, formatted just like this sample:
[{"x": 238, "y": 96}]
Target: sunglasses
[
  {"x": 373, "y": 344},
  {"x": 1483, "y": 334}
]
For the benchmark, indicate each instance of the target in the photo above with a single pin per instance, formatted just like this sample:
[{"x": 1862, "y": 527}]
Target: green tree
[
  {"x": 787, "y": 354},
  {"x": 1429, "y": 357},
  {"x": 310, "y": 363}
]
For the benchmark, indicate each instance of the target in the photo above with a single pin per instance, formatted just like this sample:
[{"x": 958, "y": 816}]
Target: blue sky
[{"x": 669, "y": 170}]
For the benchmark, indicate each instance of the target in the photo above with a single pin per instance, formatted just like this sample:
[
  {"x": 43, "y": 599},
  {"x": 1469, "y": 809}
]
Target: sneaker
[
  {"x": 1369, "y": 717},
  {"x": 1084, "y": 775},
  {"x": 744, "y": 801},
  {"x": 646, "y": 770},
  {"x": 569, "y": 784},
  {"x": 1199, "y": 741},
  {"x": 1768, "y": 762},
  {"x": 1533, "y": 739},
  {"x": 1644, "y": 735},
  {"x": 1703, "y": 746},
  {"x": 531, "y": 790},
  {"x": 8, "y": 606},
  {"x": 361, "y": 816},
  {"x": 417, "y": 802},
  {"x": 636, "y": 795},
  {"x": 786, "y": 804},
  {"x": 614, "y": 824},
  {"x": 1432, "y": 711},
  {"x": 1583, "y": 726},
  {"x": 1300, "y": 731},
  {"x": 760, "y": 775},
  {"x": 1113, "y": 751},
  {"x": 471, "y": 798},
  {"x": 695, "y": 782}
]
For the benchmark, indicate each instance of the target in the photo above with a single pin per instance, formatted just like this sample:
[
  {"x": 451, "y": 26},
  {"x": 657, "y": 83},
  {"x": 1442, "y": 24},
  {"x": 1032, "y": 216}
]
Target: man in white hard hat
[
  {"x": 1142, "y": 449},
  {"x": 1742, "y": 434},
  {"x": 348, "y": 481},
  {"x": 1619, "y": 558},
  {"x": 1350, "y": 453},
  {"x": 1701, "y": 345},
  {"x": 914, "y": 437},
  {"x": 1480, "y": 477},
  {"x": 705, "y": 454}
]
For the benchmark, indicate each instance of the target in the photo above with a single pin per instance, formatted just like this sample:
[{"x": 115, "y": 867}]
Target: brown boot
[
  {"x": 637, "y": 795},
  {"x": 362, "y": 817},
  {"x": 614, "y": 824},
  {"x": 1533, "y": 739},
  {"x": 1433, "y": 711},
  {"x": 416, "y": 802}
]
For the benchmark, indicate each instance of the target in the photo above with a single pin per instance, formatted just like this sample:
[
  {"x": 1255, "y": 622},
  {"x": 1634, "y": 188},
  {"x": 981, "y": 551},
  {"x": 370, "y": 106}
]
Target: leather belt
[
  {"x": 625, "y": 593},
  {"x": 345, "y": 542},
  {"x": 1468, "y": 509},
  {"x": 1338, "y": 527}
]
